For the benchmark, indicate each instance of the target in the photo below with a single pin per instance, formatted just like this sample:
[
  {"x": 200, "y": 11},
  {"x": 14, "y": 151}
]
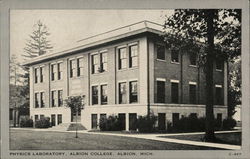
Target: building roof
[{"x": 109, "y": 36}]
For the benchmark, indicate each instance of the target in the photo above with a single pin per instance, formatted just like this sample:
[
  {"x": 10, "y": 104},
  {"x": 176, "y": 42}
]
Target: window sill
[
  {"x": 174, "y": 62},
  {"x": 218, "y": 70},
  {"x": 195, "y": 66},
  {"x": 99, "y": 73},
  {"x": 76, "y": 77},
  {"x": 161, "y": 60},
  {"x": 128, "y": 69}
]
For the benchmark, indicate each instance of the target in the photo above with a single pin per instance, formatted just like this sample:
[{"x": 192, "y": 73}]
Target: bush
[
  {"x": 229, "y": 123},
  {"x": 146, "y": 124},
  {"x": 26, "y": 122},
  {"x": 112, "y": 123},
  {"x": 43, "y": 123}
]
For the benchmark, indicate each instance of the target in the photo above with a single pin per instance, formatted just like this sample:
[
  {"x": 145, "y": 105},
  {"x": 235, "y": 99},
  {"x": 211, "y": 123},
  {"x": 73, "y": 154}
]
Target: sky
[{"x": 68, "y": 26}]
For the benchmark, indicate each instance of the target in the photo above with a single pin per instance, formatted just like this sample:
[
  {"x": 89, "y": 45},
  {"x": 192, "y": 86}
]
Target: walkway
[{"x": 158, "y": 138}]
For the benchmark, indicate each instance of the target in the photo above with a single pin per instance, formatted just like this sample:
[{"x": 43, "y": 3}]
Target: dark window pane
[
  {"x": 36, "y": 75},
  {"x": 53, "y": 98},
  {"x": 94, "y": 95},
  {"x": 53, "y": 72},
  {"x": 79, "y": 66},
  {"x": 193, "y": 58},
  {"x": 175, "y": 118},
  {"x": 94, "y": 121},
  {"x": 42, "y": 99},
  {"x": 59, "y": 119},
  {"x": 122, "y": 93},
  {"x": 160, "y": 92},
  {"x": 218, "y": 96},
  {"x": 192, "y": 94},
  {"x": 122, "y": 55},
  {"x": 133, "y": 92},
  {"x": 219, "y": 64},
  {"x": 133, "y": 56},
  {"x": 104, "y": 94},
  {"x": 36, "y": 100},
  {"x": 174, "y": 56},
  {"x": 41, "y": 74},
  {"x": 160, "y": 52},
  {"x": 59, "y": 70},
  {"x": 132, "y": 121},
  {"x": 60, "y": 98},
  {"x": 104, "y": 61},
  {"x": 174, "y": 92}
]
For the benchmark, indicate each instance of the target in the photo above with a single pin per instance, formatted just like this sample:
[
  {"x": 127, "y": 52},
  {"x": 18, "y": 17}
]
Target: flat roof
[{"x": 112, "y": 35}]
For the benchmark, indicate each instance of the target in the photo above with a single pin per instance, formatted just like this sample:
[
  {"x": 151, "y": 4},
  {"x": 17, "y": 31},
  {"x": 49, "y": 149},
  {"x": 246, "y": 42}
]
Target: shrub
[
  {"x": 43, "y": 123},
  {"x": 228, "y": 123},
  {"x": 112, "y": 123},
  {"x": 146, "y": 124},
  {"x": 26, "y": 122}
]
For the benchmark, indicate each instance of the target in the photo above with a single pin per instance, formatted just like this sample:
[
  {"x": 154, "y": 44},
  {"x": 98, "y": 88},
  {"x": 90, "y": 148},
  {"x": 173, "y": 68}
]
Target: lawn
[
  {"x": 45, "y": 140},
  {"x": 224, "y": 138}
]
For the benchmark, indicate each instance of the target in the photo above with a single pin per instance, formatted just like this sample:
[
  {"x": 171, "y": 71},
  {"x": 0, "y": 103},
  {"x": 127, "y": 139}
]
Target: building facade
[{"x": 126, "y": 72}]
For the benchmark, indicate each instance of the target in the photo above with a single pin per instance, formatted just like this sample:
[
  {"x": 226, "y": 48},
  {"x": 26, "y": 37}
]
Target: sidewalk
[{"x": 157, "y": 137}]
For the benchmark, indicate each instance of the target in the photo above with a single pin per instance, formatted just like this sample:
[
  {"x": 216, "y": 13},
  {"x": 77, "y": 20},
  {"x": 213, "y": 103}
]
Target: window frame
[
  {"x": 36, "y": 74},
  {"x": 95, "y": 63},
  {"x": 157, "y": 53},
  {"x": 195, "y": 93},
  {"x": 120, "y": 96},
  {"x": 101, "y": 91},
  {"x": 53, "y": 98},
  {"x": 174, "y": 96},
  {"x": 171, "y": 58},
  {"x": 72, "y": 68},
  {"x": 59, "y": 71},
  {"x": 60, "y": 98},
  {"x": 164, "y": 94},
  {"x": 133, "y": 57},
  {"x": 94, "y": 95},
  {"x": 79, "y": 66},
  {"x": 53, "y": 72},
  {"x": 191, "y": 55},
  {"x": 41, "y": 72},
  {"x": 130, "y": 91},
  {"x": 37, "y": 104},
  {"x": 120, "y": 60},
  {"x": 42, "y": 99}
]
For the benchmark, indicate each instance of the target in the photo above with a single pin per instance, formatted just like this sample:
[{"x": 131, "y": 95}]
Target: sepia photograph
[{"x": 111, "y": 83}]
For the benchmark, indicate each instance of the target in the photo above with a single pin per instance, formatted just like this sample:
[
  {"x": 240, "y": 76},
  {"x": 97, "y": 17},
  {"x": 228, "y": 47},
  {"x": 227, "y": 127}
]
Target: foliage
[
  {"x": 146, "y": 123},
  {"x": 75, "y": 103},
  {"x": 38, "y": 44},
  {"x": 43, "y": 123},
  {"x": 112, "y": 123},
  {"x": 229, "y": 123},
  {"x": 26, "y": 122}
]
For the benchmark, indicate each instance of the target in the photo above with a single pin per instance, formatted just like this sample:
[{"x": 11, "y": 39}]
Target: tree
[
  {"x": 38, "y": 44},
  {"x": 75, "y": 103},
  {"x": 218, "y": 31}
]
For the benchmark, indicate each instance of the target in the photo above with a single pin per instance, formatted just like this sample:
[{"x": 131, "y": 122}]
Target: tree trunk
[{"x": 209, "y": 136}]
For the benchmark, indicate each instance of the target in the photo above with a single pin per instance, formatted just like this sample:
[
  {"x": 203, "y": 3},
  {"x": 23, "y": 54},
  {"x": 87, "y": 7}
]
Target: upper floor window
[
  {"x": 174, "y": 56},
  {"x": 160, "y": 49},
  {"x": 59, "y": 70},
  {"x": 104, "y": 62},
  {"x": 36, "y": 100},
  {"x": 104, "y": 94},
  {"x": 219, "y": 64},
  {"x": 192, "y": 93},
  {"x": 41, "y": 74},
  {"x": 95, "y": 63},
  {"x": 193, "y": 59},
  {"x": 122, "y": 56},
  {"x": 60, "y": 98},
  {"x": 160, "y": 91},
  {"x": 133, "y": 56},
  {"x": 72, "y": 67},
  {"x": 122, "y": 93},
  {"x": 53, "y": 98},
  {"x": 53, "y": 72},
  {"x": 133, "y": 94},
  {"x": 80, "y": 66},
  {"x": 42, "y": 99},
  {"x": 94, "y": 95},
  {"x": 174, "y": 92},
  {"x": 36, "y": 75}
]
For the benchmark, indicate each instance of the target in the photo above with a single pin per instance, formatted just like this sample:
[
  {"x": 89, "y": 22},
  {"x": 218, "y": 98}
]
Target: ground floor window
[
  {"x": 132, "y": 121},
  {"x": 122, "y": 119},
  {"x": 11, "y": 114},
  {"x": 160, "y": 91},
  {"x": 219, "y": 117},
  {"x": 94, "y": 121},
  {"x": 53, "y": 119},
  {"x": 218, "y": 95},
  {"x": 193, "y": 115},
  {"x": 36, "y": 117},
  {"x": 41, "y": 116},
  {"x": 162, "y": 121},
  {"x": 175, "y": 118},
  {"x": 59, "y": 119}
]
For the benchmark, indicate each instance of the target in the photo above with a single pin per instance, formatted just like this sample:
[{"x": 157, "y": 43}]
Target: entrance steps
[{"x": 68, "y": 127}]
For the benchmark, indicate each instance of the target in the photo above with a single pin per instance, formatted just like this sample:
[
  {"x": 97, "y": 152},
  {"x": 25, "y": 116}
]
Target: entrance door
[
  {"x": 53, "y": 120},
  {"x": 162, "y": 121},
  {"x": 122, "y": 119}
]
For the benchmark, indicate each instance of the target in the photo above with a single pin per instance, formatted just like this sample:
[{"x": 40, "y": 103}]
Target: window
[
  {"x": 53, "y": 72},
  {"x": 79, "y": 66},
  {"x": 59, "y": 119},
  {"x": 103, "y": 117},
  {"x": 60, "y": 98},
  {"x": 95, "y": 64},
  {"x": 133, "y": 94},
  {"x": 53, "y": 97},
  {"x": 193, "y": 59},
  {"x": 72, "y": 67},
  {"x": 36, "y": 75},
  {"x": 122, "y": 55},
  {"x": 192, "y": 93},
  {"x": 42, "y": 99},
  {"x": 175, "y": 56},
  {"x": 41, "y": 74},
  {"x": 133, "y": 56},
  {"x": 122, "y": 93},
  {"x": 94, "y": 121},
  {"x": 193, "y": 115},
  {"x": 104, "y": 94},
  {"x": 11, "y": 114},
  {"x": 59, "y": 70},
  {"x": 218, "y": 95},
  {"x": 94, "y": 95},
  {"x": 36, "y": 100},
  {"x": 160, "y": 92},
  {"x": 174, "y": 92},
  {"x": 219, "y": 117},
  {"x": 36, "y": 117},
  {"x": 104, "y": 62},
  {"x": 132, "y": 121},
  {"x": 160, "y": 52},
  {"x": 175, "y": 118},
  {"x": 219, "y": 64},
  {"x": 41, "y": 116}
]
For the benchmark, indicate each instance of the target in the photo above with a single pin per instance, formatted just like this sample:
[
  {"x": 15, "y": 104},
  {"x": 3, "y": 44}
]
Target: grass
[
  {"x": 45, "y": 140},
  {"x": 224, "y": 138}
]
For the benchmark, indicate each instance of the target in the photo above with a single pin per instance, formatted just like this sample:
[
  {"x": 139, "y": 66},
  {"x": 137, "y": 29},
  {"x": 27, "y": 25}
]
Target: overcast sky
[{"x": 68, "y": 26}]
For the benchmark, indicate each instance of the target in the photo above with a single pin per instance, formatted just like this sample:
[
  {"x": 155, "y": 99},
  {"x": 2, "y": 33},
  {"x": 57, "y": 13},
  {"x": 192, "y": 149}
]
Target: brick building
[{"x": 127, "y": 72}]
